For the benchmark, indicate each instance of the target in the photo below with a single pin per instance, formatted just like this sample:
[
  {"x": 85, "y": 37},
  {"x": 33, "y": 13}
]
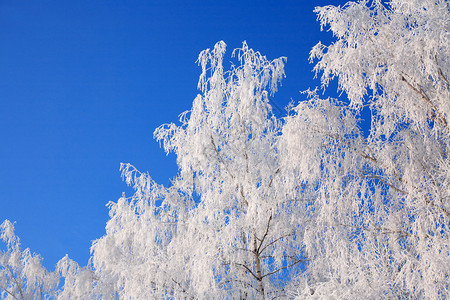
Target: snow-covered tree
[
  {"x": 22, "y": 275},
  {"x": 135, "y": 258},
  {"x": 226, "y": 227},
  {"x": 78, "y": 282},
  {"x": 382, "y": 211},
  {"x": 320, "y": 203}
]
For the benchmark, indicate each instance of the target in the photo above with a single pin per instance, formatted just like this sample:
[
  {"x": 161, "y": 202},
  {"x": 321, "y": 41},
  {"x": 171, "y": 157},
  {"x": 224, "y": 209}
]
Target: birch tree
[
  {"x": 22, "y": 275},
  {"x": 226, "y": 227},
  {"x": 383, "y": 211},
  {"x": 320, "y": 203}
]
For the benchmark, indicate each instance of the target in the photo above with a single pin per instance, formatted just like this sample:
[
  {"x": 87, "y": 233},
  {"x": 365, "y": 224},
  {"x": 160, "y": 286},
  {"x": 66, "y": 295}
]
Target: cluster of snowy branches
[{"x": 319, "y": 203}]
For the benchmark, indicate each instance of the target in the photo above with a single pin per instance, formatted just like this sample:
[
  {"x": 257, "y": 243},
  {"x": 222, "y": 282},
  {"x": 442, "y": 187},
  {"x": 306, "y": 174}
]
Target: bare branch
[
  {"x": 285, "y": 267},
  {"x": 274, "y": 241},
  {"x": 265, "y": 235}
]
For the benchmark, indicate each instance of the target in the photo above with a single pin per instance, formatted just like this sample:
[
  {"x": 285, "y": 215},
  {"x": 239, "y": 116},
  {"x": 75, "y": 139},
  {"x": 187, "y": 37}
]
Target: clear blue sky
[{"x": 85, "y": 83}]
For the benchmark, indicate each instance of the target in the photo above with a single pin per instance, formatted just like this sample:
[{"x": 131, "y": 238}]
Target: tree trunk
[{"x": 258, "y": 268}]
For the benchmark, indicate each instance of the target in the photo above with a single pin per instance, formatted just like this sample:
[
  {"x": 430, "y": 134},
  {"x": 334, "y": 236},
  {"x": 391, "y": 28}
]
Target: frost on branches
[
  {"x": 226, "y": 227},
  {"x": 21, "y": 274},
  {"x": 383, "y": 210},
  {"x": 318, "y": 204}
]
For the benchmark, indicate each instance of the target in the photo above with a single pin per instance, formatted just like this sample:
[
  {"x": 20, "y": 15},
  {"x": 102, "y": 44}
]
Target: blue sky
[{"x": 85, "y": 83}]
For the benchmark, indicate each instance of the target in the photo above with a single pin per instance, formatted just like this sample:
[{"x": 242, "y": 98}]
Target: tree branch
[
  {"x": 240, "y": 281},
  {"x": 9, "y": 293},
  {"x": 425, "y": 98},
  {"x": 270, "y": 182},
  {"x": 19, "y": 286},
  {"x": 285, "y": 267},
  {"x": 264, "y": 236},
  {"x": 374, "y": 176},
  {"x": 274, "y": 241},
  {"x": 248, "y": 270}
]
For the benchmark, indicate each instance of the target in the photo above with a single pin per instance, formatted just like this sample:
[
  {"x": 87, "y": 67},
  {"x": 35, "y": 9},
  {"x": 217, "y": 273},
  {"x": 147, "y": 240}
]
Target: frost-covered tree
[
  {"x": 136, "y": 259},
  {"x": 227, "y": 147},
  {"x": 78, "y": 282},
  {"x": 382, "y": 207},
  {"x": 319, "y": 204},
  {"x": 22, "y": 275},
  {"x": 227, "y": 227}
]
